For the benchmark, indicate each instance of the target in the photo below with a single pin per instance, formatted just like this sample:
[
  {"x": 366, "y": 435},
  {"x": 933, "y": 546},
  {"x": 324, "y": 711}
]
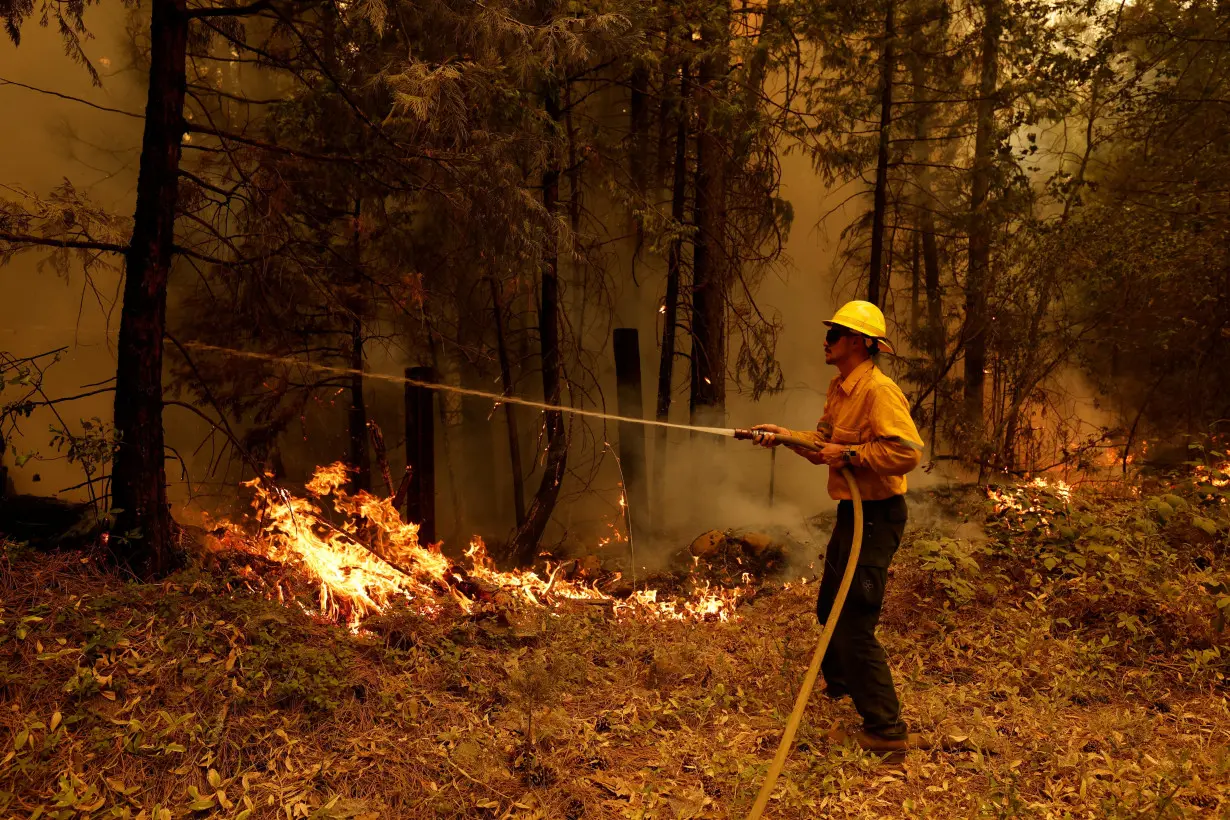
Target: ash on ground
[{"x": 736, "y": 557}]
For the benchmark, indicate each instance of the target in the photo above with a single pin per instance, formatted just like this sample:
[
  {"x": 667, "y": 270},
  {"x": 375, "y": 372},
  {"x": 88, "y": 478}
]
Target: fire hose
[{"x": 809, "y": 680}]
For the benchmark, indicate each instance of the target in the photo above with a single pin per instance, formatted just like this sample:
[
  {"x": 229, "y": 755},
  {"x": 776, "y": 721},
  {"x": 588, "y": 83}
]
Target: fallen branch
[
  {"x": 382, "y": 456},
  {"x": 399, "y": 497}
]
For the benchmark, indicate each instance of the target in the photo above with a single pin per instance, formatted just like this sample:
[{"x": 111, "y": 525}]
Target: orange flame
[{"x": 374, "y": 558}]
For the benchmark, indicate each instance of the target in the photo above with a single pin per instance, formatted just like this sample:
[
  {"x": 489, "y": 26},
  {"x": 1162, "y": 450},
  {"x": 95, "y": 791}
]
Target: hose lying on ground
[{"x": 809, "y": 681}]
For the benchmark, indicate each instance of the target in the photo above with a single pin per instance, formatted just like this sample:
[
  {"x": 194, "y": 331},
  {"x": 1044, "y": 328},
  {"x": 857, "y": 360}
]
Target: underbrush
[{"x": 1079, "y": 649}]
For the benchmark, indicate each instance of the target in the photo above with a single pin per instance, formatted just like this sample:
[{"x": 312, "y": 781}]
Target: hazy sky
[{"x": 43, "y": 141}]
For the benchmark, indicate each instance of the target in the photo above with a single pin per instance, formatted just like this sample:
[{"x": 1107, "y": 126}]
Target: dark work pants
[{"x": 855, "y": 662}]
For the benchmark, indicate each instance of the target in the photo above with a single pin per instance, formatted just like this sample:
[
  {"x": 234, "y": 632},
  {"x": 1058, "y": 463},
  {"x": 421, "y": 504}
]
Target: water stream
[{"x": 498, "y": 398}]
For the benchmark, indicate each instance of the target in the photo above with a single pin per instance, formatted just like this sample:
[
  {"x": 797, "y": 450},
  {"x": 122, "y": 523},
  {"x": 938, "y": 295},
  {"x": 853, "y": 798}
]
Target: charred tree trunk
[
  {"x": 925, "y": 203},
  {"x": 670, "y": 309},
  {"x": 710, "y": 261},
  {"x": 630, "y": 401},
  {"x": 915, "y": 282},
  {"x": 935, "y": 297},
  {"x": 638, "y": 144},
  {"x": 525, "y": 542},
  {"x": 978, "y": 273},
  {"x": 421, "y": 452},
  {"x": 360, "y": 458},
  {"x": 510, "y": 410},
  {"x": 144, "y": 530},
  {"x": 477, "y": 445},
  {"x": 665, "y": 113},
  {"x": 880, "y": 197}
]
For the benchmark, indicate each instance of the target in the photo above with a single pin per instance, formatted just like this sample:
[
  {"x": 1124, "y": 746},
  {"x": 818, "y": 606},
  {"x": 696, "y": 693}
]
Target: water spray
[{"x": 498, "y": 398}]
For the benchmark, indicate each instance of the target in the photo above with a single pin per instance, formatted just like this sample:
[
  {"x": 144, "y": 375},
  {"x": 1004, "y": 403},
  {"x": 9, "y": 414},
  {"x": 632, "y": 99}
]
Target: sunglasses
[{"x": 837, "y": 333}]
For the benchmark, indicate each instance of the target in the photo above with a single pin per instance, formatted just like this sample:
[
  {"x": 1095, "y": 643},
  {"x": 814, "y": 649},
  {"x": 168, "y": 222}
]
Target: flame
[
  {"x": 1060, "y": 488},
  {"x": 1217, "y": 476},
  {"x": 373, "y": 559},
  {"x": 1024, "y": 499}
]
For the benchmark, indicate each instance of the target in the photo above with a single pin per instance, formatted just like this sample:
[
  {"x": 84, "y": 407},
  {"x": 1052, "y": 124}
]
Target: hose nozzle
[{"x": 745, "y": 434}]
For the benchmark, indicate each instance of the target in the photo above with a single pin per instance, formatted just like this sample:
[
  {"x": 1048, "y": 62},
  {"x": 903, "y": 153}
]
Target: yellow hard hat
[{"x": 865, "y": 318}]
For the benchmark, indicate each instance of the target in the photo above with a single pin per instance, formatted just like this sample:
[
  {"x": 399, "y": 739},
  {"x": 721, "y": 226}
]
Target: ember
[{"x": 374, "y": 559}]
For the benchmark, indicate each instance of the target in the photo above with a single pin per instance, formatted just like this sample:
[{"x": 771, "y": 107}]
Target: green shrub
[{"x": 952, "y": 564}]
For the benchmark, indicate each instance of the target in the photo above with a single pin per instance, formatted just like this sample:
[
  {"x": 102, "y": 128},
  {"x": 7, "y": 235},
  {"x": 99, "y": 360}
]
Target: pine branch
[
  {"x": 231, "y": 11},
  {"x": 48, "y": 242},
  {"x": 69, "y": 97},
  {"x": 228, "y": 136}
]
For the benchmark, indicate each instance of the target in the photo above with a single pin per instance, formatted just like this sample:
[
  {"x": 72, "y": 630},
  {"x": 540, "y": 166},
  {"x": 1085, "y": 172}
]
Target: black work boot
[{"x": 871, "y": 742}]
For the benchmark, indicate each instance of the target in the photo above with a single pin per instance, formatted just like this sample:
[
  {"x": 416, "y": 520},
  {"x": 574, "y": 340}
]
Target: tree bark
[
  {"x": 510, "y": 410},
  {"x": 525, "y": 542},
  {"x": 710, "y": 261},
  {"x": 477, "y": 446},
  {"x": 670, "y": 311},
  {"x": 144, "y": 529},
  {"x": 925, "y": 202},
  {"x": 360, "y": 458},
  {"x": 638, "y": 127},
  {"x": 880, "y": 197},
  {"x": 421, "y": 452},
  {"x": 665, "y": 146},
  {"x": 915, "y": 282},
  {"x": 978, "y": 273}
]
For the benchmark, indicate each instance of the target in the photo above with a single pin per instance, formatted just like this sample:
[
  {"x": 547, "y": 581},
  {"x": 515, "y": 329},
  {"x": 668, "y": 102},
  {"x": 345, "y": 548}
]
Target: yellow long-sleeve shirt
[{"x": 867, "y": 412}]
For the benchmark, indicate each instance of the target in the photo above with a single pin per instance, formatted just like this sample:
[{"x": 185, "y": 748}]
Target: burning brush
[{"x": 374, "y": 558}]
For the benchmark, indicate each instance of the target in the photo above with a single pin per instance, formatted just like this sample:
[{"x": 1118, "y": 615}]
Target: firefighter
[{"x": 867, "y": 428}]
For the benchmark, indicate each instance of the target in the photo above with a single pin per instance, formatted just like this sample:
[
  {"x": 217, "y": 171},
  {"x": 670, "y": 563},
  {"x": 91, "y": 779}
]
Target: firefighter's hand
[
  {"x": 833, "y": 455},
  {"x": 766, "y": 434}
]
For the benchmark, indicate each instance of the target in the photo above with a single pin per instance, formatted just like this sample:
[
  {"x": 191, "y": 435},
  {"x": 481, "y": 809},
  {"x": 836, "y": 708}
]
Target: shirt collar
[{"x": 850, "y": 382}]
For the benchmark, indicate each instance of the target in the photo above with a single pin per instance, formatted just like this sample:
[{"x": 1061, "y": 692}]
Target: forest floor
[{"x": 1078, "y": 647}]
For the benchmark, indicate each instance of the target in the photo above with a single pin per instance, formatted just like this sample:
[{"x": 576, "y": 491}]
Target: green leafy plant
[{"x": 952, "y": 564}]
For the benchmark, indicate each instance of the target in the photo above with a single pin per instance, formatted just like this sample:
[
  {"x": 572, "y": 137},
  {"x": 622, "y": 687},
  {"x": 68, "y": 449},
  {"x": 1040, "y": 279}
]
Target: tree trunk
[
  {"x": 1008, "y": 455},
  {"x": 665, "y": 146},
  {"x": 477, "y": 446},
  {"x": 915, "y": 282},
  {"x": 935, "y": 297},
  {"x": 978, "y": 274},
  {"x": 670, "y": 312},
  {"x": 144, "y": 530},
  {"x": 421, "y": 452},
  {"x": 360, "y": 458},
  {"x": 880, "y": 198},
  {"x": 525, "y": 542},
  {"x": 510, "y": 410},
  {"x": 638, "y": 126},
  {"x": 925, "y": 203},
  {"x": 710, "y": 261}
]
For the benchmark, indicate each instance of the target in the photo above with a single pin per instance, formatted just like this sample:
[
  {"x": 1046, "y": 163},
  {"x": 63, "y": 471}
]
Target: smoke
[{"x": 709, "y": 483}]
